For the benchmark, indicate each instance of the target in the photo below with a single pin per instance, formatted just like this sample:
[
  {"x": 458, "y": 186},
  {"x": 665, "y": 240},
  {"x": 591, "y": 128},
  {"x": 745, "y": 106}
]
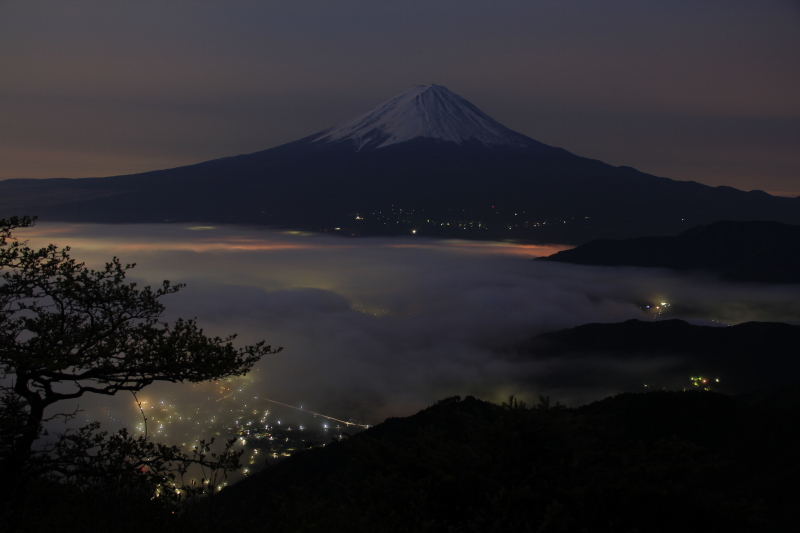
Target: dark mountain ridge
[
  {"x": 426, "y": 162},
  {"x": 633, "y": 462},
  {"x": 757, "y": 251},
  {"x": 747, "y": 357}
]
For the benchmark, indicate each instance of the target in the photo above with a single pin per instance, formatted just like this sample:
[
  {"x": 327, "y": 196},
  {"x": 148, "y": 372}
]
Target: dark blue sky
[{"x": 693, "y": 90}]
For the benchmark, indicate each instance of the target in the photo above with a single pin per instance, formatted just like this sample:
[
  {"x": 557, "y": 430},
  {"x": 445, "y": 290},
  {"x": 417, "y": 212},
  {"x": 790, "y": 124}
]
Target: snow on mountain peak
[{"x": 429, "y": 111}]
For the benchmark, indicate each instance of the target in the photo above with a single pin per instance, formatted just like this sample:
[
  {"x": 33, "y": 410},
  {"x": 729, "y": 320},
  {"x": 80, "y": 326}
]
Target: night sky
[{"x": 693, "y": 90}]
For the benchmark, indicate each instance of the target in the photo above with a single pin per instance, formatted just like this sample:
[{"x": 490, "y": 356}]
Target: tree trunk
[{"x": 17, "y": 467}]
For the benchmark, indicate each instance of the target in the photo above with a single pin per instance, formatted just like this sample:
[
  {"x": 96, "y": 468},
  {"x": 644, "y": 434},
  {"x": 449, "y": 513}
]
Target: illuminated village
[{"x": 229, "y": 411}]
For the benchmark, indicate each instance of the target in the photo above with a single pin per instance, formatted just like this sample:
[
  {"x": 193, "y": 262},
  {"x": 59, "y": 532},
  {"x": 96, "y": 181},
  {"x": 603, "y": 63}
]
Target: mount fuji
[
  {"x": 426, "y": 162},
  {"x": 426, "y": 112}
]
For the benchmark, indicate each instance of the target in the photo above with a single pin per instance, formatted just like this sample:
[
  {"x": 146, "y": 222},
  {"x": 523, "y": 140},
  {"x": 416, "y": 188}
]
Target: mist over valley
[{"x": 379, "y": 327}]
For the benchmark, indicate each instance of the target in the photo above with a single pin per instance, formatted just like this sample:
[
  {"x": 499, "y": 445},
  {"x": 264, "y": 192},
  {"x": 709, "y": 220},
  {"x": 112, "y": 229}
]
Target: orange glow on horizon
[
  {"x": 492, "y": 247},
  {"x": 192, "y": 242}
]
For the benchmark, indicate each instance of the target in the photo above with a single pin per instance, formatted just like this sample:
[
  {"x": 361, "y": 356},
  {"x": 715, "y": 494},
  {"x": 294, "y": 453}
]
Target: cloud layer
[{"x": 383, "y": 327}]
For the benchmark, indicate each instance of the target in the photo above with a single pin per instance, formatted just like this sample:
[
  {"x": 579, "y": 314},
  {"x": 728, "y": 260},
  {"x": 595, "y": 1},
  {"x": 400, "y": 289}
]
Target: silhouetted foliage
[{"x": 67, "y": 330}]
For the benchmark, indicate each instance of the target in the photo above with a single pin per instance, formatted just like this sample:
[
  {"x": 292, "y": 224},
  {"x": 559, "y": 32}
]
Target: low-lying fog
[{"x": 373, "y": 328}]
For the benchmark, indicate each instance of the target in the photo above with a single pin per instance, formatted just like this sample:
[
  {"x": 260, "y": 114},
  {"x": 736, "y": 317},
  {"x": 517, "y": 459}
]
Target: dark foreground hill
[
  {"x": 424, "y": 163},
  {"x": 656, "y": 462},
  {"x": 762, "y": 251}
]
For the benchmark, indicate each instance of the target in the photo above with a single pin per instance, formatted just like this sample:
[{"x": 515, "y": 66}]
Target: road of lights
[{"x": 226, "y": 409}]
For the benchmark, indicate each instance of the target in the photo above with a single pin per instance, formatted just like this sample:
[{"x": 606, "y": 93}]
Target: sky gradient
[{"x": 691, "y": 90}]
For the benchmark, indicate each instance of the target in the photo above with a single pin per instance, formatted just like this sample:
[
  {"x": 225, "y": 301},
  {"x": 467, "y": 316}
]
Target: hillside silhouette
[
  {"x": 758, "y": 251},
  {"x": 663, "y": 461},
  {"x": 748, "y": 356}
]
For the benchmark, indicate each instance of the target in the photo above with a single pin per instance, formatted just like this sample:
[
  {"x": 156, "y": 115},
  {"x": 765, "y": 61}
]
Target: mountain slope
[
  {"x": 746, "y": 357},
  {"x": 426, "y": 162},
  {"x": 632, "y": 462},
  {"x": 737, "y": 251}
]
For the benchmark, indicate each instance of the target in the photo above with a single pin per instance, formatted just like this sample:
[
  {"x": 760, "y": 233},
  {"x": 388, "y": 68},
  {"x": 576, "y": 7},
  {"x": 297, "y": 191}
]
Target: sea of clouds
[{"x": 373, "y": 327}]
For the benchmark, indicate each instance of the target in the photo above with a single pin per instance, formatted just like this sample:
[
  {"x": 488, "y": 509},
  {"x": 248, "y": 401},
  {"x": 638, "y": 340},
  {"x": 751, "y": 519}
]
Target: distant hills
[
  {"x": 736, "y": 251},
  {"x": 426, "y": 162},
  {"x": 747, "y": 357}
]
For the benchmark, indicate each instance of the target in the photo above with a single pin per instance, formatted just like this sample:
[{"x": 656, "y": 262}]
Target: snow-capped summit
[{"x": 427, "y": 111}]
